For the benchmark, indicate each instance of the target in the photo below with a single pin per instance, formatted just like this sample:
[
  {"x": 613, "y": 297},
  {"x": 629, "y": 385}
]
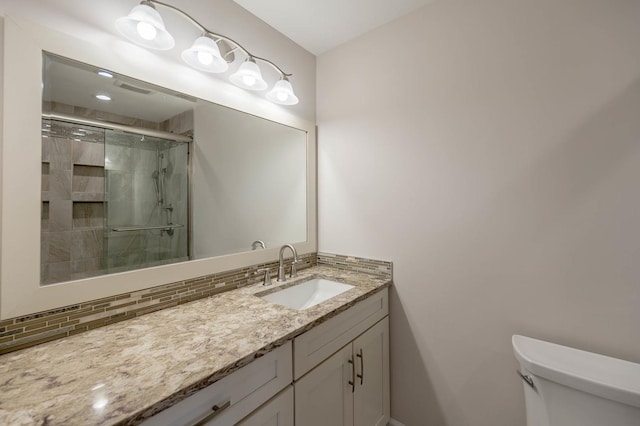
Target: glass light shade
[
  {"x": 248, "y": 76},
  {"x": 144, "y": 26},
  {"x": 282, "y": 93},
  {"x": 204, "y": 55}
]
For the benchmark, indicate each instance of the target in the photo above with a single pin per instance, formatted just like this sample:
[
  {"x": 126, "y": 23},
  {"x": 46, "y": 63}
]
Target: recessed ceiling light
[
  {"x": 105, "y": 73},
  {"x": 103, "y": 97}
]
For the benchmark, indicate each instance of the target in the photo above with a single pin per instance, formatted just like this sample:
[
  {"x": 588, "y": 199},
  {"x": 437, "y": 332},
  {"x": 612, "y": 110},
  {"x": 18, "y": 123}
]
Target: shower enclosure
[
  {"x": 112, "y": 200},
  {"x": 146, "y": 200}
]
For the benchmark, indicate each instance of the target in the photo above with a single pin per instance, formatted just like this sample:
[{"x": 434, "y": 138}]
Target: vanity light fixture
[
  {"x": 105, "y": 73},
  {"x": 145, "y": 27},
  {"x": 249, "y": 76},
  {"x": 282, "y": 93},
  {"x": 204, "y": 55}
]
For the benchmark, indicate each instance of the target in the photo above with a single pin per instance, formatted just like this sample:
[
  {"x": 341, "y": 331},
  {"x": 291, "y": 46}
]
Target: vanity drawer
[
  {"x": 320, "y": 342},
  {"x": 234, "y": 396}
]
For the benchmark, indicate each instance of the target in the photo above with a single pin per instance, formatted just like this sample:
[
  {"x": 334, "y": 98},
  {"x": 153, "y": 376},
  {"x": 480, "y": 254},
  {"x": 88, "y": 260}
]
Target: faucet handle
[
  {"x": 267, "y": 275},
  {"x": 294, "y": 269}
]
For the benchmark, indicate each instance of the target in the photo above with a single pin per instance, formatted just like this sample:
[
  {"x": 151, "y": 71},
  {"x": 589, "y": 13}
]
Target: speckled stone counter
[{"x": 126, "y": 372}]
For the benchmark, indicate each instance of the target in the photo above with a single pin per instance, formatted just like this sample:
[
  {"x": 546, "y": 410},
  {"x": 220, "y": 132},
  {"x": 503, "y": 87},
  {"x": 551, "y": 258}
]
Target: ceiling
[
  {"x": 321, "y": 25},
  {"x": 73, "y": 83}
]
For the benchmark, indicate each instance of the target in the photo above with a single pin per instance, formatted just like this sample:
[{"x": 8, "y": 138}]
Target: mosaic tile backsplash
[
  {"x": 30, "y": 330},
  {"x": 369, "y": 266}
]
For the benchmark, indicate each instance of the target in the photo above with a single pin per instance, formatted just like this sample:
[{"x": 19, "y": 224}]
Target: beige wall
[{"x": 491, "y": 149}]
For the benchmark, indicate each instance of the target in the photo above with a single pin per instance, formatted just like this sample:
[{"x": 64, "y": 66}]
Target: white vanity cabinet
[
  {"x": 335, "y": 374},
  {"x": 232, "y": 398},
  {"x": 351, "y": 386},
  {"x": 277, "y": 412}
]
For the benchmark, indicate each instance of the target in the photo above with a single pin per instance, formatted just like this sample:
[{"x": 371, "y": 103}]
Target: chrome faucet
[
  {"x": 258, "y": 243},
  {"x": 267, "y": 275},
  {"x": 294, "y": 273}
]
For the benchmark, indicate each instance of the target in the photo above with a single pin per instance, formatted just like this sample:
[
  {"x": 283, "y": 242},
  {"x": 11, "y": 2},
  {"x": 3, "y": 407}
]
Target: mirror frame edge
[{"x": 20, "y": 289}]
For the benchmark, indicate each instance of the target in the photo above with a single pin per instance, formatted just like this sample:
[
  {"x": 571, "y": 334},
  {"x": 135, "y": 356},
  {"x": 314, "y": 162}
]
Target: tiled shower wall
[
  {"x": 73, "y": 244},
  {"x": 72, "y": 201},
  {"x": 30, "y": 330}
]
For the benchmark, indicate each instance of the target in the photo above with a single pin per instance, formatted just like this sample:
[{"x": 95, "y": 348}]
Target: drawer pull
[
  {"x": 361, "y": 375},
  {"x": 217, "y": 409},
  {"x": 352, "y": 382}
]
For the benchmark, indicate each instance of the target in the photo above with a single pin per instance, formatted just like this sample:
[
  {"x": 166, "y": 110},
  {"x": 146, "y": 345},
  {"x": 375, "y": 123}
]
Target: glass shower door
[{"x": 147, "y": 201}]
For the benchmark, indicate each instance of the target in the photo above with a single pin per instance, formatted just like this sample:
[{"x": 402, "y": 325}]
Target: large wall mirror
[
  {"x": 130, "y": 177},
  {"x": 136, "y": 176}
]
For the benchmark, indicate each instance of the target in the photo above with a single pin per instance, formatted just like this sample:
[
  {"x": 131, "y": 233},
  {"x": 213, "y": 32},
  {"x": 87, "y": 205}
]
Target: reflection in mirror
[{"x": 135, "y": 176}]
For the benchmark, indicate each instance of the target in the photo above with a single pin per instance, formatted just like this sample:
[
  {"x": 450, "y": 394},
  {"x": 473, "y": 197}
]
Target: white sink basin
[{"x": 307, "y": 294}]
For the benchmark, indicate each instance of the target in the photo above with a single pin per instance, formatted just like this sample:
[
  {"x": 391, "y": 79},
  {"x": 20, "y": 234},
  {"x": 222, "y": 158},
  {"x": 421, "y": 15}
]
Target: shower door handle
[{"x": 144, "y": 228}]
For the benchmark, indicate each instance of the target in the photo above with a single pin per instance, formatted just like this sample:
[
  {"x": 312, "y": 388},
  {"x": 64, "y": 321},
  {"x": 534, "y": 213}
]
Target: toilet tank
[{"x": 570, "y": 387}]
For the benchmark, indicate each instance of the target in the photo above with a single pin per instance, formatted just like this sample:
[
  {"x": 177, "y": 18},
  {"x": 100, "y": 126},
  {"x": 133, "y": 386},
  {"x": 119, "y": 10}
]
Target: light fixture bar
[{"x": 219, "y": 36}]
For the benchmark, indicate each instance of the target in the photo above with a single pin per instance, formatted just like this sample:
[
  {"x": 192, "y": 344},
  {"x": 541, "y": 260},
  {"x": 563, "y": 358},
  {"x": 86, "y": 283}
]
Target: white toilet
[{"x": 569, "y": 387}]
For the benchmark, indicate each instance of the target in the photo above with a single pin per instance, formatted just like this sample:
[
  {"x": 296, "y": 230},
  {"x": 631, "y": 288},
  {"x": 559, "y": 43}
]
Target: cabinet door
[
  {"x": 324, "y": 396},
  {"x": 277, "y": 412},
  {"x": 371, "y": 360}
]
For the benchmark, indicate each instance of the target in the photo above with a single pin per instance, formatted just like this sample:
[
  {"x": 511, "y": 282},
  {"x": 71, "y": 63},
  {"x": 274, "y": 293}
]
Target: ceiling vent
[{"x": 132, "y": 88}]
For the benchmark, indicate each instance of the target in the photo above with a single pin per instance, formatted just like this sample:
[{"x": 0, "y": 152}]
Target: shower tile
[
  {"x": 144, "y": 187},
  {"x": 59, "y": 247},
  {"x": 87, "y": 267},
  {"x": 123, "y": 243},
  {"x": 177, "y": 188},
  {"x": 45, "y": 149},
  {"x": 88, "y": 153},
  {"x": 44, "y": 273},
  {"x": 120, "y": 213},
  {"x": 120, "y": 158},
  {"x": 86, "y": 244},
  {"x": 59, "y": 184},
  {"x": 44, "y": 247},
  {"x": 147, "y": 161},
  {"x": 60, "y": 154},
  {"x": 44, "y": 183},
  {"x": 57, "y": 272},
  {"x": 88, "y": 179},
  {"x": 137, "y": 122},
  {"x": 119, "y": 185},
  {"x": 88, "y": 215},
  {"x": 44, "y": 217},
  {"x": 61, "y": 108},
  {"x": 87, "y": 197},
  {"x": 180, "y": 124},
  {"x": 60, "y": 214}
]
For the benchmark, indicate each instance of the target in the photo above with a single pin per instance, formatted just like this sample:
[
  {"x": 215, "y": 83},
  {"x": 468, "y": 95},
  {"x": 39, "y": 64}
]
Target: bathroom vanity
[{"x": 229, "y": 359}]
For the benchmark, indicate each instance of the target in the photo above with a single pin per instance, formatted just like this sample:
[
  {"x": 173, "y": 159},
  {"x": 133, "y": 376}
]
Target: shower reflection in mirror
[
  {"x": 131, "y": 169},
  {"x": 146, "y": 201},
  {"x": 112, "y": 201}
]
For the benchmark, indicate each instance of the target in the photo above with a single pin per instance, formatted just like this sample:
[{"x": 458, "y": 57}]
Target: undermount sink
[{"x": 307, "y": 294}]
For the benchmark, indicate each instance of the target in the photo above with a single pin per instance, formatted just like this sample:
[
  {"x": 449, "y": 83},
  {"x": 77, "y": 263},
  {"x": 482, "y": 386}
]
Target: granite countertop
[{"x": 126, "y": 372}]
